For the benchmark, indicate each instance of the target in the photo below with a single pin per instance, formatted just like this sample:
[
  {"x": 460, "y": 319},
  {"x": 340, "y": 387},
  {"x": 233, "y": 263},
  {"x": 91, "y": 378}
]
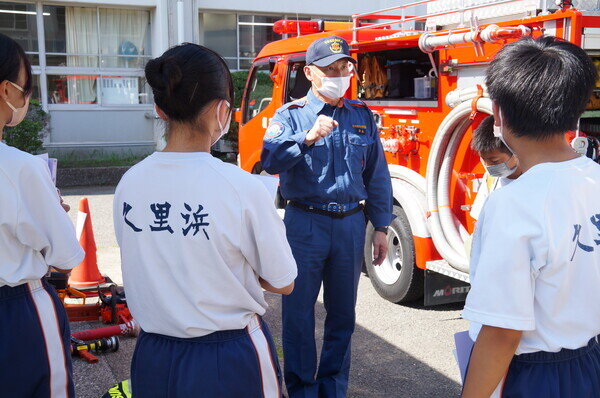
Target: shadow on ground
[{"x": 379, "y": 369}]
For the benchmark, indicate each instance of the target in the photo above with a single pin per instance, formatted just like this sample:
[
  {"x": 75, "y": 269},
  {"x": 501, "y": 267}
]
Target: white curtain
[
  {"x": 116, "y": 28},
  {"x": 82, "y": 38}
]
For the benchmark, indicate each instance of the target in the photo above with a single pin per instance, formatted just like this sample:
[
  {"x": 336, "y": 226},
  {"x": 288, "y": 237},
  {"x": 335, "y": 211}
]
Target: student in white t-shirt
[
  {"x": 534, "y": 304},
  {"x": 501, "y": 165},
  {"x": 35, "y": 234},
  {"x": 199, "y": 239}
]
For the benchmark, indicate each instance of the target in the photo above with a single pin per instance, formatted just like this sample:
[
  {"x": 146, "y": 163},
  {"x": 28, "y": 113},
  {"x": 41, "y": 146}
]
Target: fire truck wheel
[{"x": 397, "y": 279}]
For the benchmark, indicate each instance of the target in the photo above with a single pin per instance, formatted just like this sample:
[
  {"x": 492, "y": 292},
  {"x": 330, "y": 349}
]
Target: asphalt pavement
[{"x": 397, "y": 351}]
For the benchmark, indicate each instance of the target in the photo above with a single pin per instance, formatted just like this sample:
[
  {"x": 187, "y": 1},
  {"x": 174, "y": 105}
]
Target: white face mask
[
  {"x": 334, "y": 87},
  {"x": 501, "y": 170},
  {"x": 224, "y": 128},
  {"x": 18, "y": 113},
  {"x": 498, "y": 132}
]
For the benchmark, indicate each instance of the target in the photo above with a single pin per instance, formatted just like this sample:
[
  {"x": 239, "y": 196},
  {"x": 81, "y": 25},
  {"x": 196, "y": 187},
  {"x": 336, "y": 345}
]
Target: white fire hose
[{"x": 447, "y": 233}]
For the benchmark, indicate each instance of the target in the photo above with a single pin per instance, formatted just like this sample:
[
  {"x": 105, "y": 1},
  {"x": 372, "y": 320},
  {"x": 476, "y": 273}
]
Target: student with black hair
[
  {"x": 535, "y": 265},
  {"x": 35, "y": 234},
  {"x": 199, "y": 238},
  {"x": 501, "y": 165}
]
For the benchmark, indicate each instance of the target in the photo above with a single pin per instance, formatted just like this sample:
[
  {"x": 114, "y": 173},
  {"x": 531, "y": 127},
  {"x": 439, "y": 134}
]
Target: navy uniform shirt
[{"x": 345, "y": 167}]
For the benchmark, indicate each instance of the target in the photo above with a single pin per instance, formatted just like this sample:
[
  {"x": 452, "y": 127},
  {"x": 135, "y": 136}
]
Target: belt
[{"x": 334, "y": 210}]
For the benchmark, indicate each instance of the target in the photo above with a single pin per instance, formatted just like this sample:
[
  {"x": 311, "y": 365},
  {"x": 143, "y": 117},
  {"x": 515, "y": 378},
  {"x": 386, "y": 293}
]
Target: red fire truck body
[{"x": 431, "y": 97}]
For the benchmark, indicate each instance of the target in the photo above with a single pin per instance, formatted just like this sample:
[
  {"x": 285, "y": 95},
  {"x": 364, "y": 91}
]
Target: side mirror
[
  {"x": 237, "y": 115},
  {"x": 277, "y": 67}
]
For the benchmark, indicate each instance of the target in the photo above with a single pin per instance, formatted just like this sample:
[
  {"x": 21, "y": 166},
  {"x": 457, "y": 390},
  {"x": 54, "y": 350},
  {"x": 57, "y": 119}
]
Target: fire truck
[{"x": 423, "y": 77}]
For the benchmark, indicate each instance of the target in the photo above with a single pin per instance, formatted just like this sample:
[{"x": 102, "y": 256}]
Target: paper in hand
[
  {"x": 464, "y": 346},
  {"x": 270, "y": 182},
  {"x": 462, "y": 353},
  {"x": 52, "y": 165}
]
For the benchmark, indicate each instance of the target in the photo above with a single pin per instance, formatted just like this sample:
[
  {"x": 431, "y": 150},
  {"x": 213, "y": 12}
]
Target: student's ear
[
  {"x": 4, "y": 90},
  {"x": 496, "y": 112},
  {"x": 160, "y": 113}
]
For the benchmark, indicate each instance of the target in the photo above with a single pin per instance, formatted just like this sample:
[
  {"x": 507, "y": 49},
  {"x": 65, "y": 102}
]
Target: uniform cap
[{"x": 325, "y": 51}]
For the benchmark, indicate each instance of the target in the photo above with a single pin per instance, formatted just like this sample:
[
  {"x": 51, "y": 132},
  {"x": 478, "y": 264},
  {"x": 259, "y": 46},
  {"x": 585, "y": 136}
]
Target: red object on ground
[
  {"x": 86, "y": 274},
  {"x": 88, "y": 356},
  {"x": 130, "y": 328}
]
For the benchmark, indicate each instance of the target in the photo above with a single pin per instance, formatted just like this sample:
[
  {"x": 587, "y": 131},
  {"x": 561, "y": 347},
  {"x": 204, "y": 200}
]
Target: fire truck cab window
[
  {"x": 260, "y": 89},
  {"x": 397, "y": 75},
  {"x": 297, "y": 83},
  {"x": 589, "y": 124}
]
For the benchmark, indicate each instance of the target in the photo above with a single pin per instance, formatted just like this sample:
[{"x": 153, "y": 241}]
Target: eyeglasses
[{"x": 21, "y": 89}]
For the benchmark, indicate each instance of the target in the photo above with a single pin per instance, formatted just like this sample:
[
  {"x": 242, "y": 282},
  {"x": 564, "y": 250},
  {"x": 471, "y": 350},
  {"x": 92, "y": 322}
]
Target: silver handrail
[{"x": 356, "y": 17}]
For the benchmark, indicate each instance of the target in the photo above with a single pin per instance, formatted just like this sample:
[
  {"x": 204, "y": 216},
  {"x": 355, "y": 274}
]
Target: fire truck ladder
[{"x": 402, "y": 19}]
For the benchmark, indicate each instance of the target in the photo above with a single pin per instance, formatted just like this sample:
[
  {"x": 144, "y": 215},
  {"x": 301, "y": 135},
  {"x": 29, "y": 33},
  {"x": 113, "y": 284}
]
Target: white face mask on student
[
  {"x": 224, "y": 128},
  {"x": 18, "y": 113},
  {"x": 334, "y": 87},
  {"x": 501, "y": 170},
  {"x": 498, "y": 131}
]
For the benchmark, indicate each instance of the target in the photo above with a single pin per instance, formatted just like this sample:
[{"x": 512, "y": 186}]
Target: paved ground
[{"x": 398, "y": 351}]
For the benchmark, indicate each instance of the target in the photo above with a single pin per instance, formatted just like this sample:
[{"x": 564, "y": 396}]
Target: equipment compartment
[{"x": 393, "y": 75}]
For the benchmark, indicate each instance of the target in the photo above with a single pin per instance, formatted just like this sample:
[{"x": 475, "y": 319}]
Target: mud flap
[{"x": 442, "y": 289}]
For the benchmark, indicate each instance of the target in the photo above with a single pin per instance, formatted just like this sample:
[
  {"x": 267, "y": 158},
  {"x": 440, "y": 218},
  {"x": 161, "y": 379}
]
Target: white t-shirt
[
  {"x": 35, "y": 231},
  {"x": 484, "y": 192},
  {"x": 196, "y": 234},
  {"x": 535, "y": 263}
]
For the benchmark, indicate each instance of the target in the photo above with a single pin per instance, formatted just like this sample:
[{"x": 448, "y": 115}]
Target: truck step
[{"x": 442, "y": 267}]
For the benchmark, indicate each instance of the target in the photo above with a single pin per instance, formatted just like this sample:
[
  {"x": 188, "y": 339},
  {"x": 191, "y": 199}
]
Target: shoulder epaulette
[
  {"x": 358, "y": 103},
  {"x": 299, "y": 103}
]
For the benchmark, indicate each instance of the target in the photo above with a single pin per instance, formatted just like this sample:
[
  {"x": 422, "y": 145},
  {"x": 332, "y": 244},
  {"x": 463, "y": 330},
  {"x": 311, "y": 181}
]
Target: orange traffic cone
[{"x": 86, "y": 274}]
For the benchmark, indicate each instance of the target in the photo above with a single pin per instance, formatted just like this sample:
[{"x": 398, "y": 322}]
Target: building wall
[
  {"x": 83, "y": 127},
  {"x": 97, "y": 132},
  {"x": 317, "y": 7}
]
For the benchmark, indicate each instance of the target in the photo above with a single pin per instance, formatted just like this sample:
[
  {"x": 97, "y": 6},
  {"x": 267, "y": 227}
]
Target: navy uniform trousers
[
  {"x": 328, "y": 251},
  {"x": 563, "y": 374},
  {"x": 35, "y": 342},
  {"x": 225, "y": 364}
]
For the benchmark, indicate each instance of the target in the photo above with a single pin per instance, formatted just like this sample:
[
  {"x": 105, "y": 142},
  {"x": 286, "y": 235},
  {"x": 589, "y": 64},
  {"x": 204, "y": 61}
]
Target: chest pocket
[
  {"x": 316, "y": 157},
  {"x": 357, "y": 152}
]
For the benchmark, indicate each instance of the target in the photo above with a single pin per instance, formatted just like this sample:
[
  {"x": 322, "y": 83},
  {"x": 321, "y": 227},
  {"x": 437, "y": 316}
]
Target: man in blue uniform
[{"x": 328, "y": 154}]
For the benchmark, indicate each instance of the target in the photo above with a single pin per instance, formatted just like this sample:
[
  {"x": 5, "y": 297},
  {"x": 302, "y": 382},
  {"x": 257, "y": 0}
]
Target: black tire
[{"x": 408, "y": 286}]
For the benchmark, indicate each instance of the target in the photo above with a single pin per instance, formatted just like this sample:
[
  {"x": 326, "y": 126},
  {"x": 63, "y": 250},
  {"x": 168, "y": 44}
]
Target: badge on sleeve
[{"x": 274, "y": 130}]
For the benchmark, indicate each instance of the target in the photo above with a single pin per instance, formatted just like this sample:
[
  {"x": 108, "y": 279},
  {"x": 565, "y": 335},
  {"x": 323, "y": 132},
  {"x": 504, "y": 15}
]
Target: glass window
[
  {"x": 226, "y": 33},
  {"x": 104, "y": 38},
  {"x": 260, "y": 89},
  {"x": 246, "y": 63},
  {"x": 117, "y": 90},
  {"x": 255, "y": 32},
  {"x": 297, "y": 84},
  {"x": 19, "y": 22},
  {"x": 124, "y": 34},
  {"x": 73, "y": 31},
  {"x": 93, "y": 89},
  {"x": 232, "y": 62},
  {"x": 65, "y": 89},
  {"x": 220, "y": 33},
  {"x": 55, "y": 29},
  {"x": 35, "y": 88}
]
